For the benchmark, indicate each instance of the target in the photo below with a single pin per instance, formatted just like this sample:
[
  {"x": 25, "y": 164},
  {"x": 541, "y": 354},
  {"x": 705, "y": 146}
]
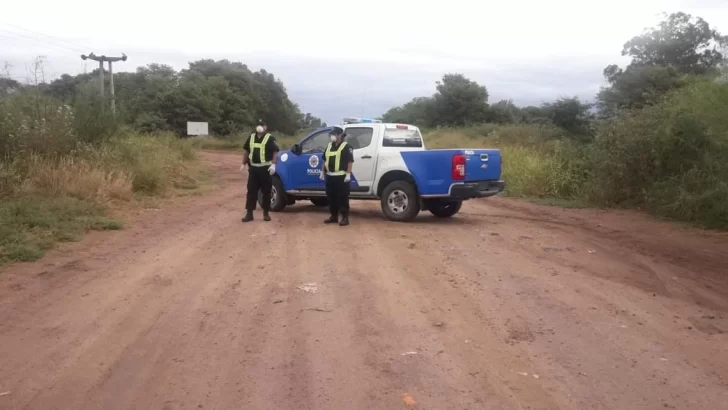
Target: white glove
[
  {"x": 272, "y": 169},
  {"x": 322, "y": 176},
  {"x": 242, "y": 167},
  {"x": 347, "y": 178}
]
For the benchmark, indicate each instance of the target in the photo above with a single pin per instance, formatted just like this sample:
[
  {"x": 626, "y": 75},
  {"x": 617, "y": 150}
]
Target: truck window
[
  {"x": 402, "y": 138},
  {"x": 316, "y": 143},
  {"x": 359, "y": 137}
]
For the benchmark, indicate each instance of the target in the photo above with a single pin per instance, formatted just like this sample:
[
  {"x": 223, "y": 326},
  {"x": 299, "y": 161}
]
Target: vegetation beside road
[
  {"x": 656, "y": 139},
  {"x": 61, "y": 172}
]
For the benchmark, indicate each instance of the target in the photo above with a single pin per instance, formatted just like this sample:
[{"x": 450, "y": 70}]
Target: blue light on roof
[{"x": 360, "y": 121}]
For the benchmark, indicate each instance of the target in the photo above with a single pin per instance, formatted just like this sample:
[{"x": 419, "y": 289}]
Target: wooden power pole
[{"x": 101, "y": 60}]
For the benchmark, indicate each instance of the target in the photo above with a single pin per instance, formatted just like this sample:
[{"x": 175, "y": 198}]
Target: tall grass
[
  {"x": 536, "y": 163},
  {"x": 62, "y": 167},
  {"x": 670, "y": 159}
]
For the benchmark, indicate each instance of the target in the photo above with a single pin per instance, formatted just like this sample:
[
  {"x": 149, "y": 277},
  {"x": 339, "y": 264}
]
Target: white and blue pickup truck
[{"x": 391, "y": 164}]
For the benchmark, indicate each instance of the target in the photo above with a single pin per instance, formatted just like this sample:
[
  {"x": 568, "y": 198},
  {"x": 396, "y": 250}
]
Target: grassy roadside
[
  {"x": 537, "y": 166},
  {"x": 47, "y": 199}
]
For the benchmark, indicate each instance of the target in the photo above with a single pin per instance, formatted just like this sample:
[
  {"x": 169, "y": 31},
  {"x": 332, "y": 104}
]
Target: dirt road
[{"x": 506, "y": 306}]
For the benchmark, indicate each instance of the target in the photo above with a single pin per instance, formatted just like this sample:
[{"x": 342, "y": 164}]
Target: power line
[
  {"x": 40, "y": 40},
  {"x": 38, "y": 43},
  {"x": 51, "y": 37}
]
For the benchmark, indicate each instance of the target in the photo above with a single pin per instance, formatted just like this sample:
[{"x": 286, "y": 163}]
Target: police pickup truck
[{"x": 391, "y": 164}]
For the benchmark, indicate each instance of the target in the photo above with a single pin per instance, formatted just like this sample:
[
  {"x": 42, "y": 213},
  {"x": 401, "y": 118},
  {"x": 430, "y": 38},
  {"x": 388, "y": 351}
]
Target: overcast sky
[{"x": 344, "y": 58}]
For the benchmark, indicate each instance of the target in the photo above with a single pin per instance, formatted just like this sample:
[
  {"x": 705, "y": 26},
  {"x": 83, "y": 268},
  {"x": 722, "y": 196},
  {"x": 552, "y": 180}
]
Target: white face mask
[
  {"x": 259, "y": 129},
  {"x": 333, "y": 138}
]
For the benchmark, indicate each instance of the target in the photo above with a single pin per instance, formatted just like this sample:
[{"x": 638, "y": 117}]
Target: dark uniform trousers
[
  {"x": 258, "y": 179},
  {"x": 337, "y": 192}
]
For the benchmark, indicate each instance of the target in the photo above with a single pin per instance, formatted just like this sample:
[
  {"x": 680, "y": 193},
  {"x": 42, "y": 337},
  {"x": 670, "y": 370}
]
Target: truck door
[
  {"x": 306, "y": 167},
  {"x": 361, "y": 137}
]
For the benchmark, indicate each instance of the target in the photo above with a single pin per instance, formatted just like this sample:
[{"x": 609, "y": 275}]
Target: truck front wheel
[
  {"x": 444, "y": 209},
  {"x": 400, "y": 201},
  {"x": 278, "y": 200}
]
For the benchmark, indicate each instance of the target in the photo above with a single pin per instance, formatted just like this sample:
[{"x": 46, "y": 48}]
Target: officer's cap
[
  {"x": 337, "y": 131},
  {"x": 261, "y": 123}
]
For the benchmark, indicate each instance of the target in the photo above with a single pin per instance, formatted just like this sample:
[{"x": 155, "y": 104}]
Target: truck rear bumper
[{"x": 480, "y": 189}]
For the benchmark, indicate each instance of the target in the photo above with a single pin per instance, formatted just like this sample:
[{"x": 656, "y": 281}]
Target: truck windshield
[{"x": 402, "y": 138}]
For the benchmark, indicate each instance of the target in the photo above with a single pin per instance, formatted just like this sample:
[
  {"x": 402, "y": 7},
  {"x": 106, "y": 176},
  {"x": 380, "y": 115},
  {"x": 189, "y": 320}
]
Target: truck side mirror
[{"x": 296, "y": 149}]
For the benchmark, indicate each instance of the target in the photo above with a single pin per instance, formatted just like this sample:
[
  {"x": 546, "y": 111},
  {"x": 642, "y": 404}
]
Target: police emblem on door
[{"x": 313, "y": 161}]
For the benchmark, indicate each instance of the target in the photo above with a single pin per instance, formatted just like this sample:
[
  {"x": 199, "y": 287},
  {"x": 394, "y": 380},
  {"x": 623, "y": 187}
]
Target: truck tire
[
  {"x": 320, "y": 201},
  {"x": 400, "y": 201},
  {"x": 278, "y": 200},
  {"x": 444, "y": 209}
]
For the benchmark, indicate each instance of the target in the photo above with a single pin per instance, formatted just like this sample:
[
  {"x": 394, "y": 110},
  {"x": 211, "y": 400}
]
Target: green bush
[{"x": 671, "y": 158}]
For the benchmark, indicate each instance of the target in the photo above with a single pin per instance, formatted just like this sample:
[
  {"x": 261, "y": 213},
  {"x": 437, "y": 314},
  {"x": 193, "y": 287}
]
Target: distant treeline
[{"x": 227, "y": 95}]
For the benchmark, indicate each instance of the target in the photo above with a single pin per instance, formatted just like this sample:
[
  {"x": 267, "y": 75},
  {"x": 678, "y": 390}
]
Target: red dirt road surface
[{"x": 507, "y": 306}]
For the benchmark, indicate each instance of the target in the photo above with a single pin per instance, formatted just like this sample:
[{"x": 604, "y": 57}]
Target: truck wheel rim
[
  {"x": 397, "y": 201},
  {"x": 273, "y": 195}
]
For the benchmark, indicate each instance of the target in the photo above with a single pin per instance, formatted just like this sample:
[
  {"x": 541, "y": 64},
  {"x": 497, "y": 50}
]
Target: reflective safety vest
[
  {"x": 337, "y": 159},
  {"x": 261, "y": 146}
]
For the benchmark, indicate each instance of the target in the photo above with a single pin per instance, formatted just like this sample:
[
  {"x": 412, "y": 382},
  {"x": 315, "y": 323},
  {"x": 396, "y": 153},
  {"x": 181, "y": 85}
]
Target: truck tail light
[
  {"x": 458, "y": 167},
  {"x": 402, "y": 127}
]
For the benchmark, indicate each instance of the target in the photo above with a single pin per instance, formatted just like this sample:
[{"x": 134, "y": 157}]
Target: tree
[
  {"x": 310, "y": 122},
  {"x": 570, "y": 114},
  {"x": 504, "y": 112},
  {"x": 635, "y": 87},
  {"x": 688, "y": 44},
  {"x": 661, "y": 56},
  {"x": 420, "y": 111},
  {"x": 8, "y": 86},
  {"x": 460, "y": 101},
  {"x": 227, "y": 95}
]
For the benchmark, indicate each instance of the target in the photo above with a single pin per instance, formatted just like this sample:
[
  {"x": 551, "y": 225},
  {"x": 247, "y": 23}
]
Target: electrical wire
[
  {"x": 35, "y": 41},
  {"x": 55, "y": 38},
  {"x": 44, "y": 41}
]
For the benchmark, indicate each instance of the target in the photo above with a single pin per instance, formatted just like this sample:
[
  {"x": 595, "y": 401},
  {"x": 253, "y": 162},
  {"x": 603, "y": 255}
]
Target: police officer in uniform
[
  {"x": 338, "y": 160},
  {"x": 260, "y": 152}
]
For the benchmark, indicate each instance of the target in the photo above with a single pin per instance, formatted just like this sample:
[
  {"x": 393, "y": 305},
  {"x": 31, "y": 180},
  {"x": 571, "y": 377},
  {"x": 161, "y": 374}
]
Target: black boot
[
  {"x": 332, "y": 220},
  {"x": 248, "y": 216},
  {"x": 344, "y": 220},
  {"x": 266, "y": 217}
]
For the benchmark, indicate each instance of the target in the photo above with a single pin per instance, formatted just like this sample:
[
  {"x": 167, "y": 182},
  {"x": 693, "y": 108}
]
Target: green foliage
[
  {"x": 661, "y": 57},
  {"x": 420, "y": 110},
  {"x": 227, "y": 95},
  {"x": 460, "y": 101},
  {"x": 538, "y": 163},
  {"x": 457, "y": 102},
  {"x": 30, "y": 226},
  {"x": 570, "y": 114},
  {"x": 680, "y": 41},
  {"x": 671, "y": 157},
  {"x": 636, "y": 87},
  {"x": 504, "y": 112}
]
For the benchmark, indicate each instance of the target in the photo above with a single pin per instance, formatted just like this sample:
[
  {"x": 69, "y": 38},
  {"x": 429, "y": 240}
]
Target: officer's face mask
[
  {"x": 333, "y": 138},
  {"x": 259, "y": 129}
]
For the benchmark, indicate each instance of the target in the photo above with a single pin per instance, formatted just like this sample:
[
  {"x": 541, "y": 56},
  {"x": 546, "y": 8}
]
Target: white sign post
[{"x": 196, "y": 128}]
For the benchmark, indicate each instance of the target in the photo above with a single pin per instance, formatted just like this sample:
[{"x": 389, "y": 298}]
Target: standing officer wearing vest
[
  {"x": 338, "y": 160},
  {"x": 260, "y": 152}
]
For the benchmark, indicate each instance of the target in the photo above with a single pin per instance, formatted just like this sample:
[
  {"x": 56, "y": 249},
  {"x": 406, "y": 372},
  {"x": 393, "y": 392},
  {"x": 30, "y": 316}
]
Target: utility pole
[{"x": 101, "y": 59}]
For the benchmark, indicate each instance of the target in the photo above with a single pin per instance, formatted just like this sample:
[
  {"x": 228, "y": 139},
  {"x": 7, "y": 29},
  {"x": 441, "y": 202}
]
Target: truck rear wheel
[
  {"x": 278, "y": 200},
  {"x": 400, "y": 201},
  {"x": 444, "y": 209}
]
